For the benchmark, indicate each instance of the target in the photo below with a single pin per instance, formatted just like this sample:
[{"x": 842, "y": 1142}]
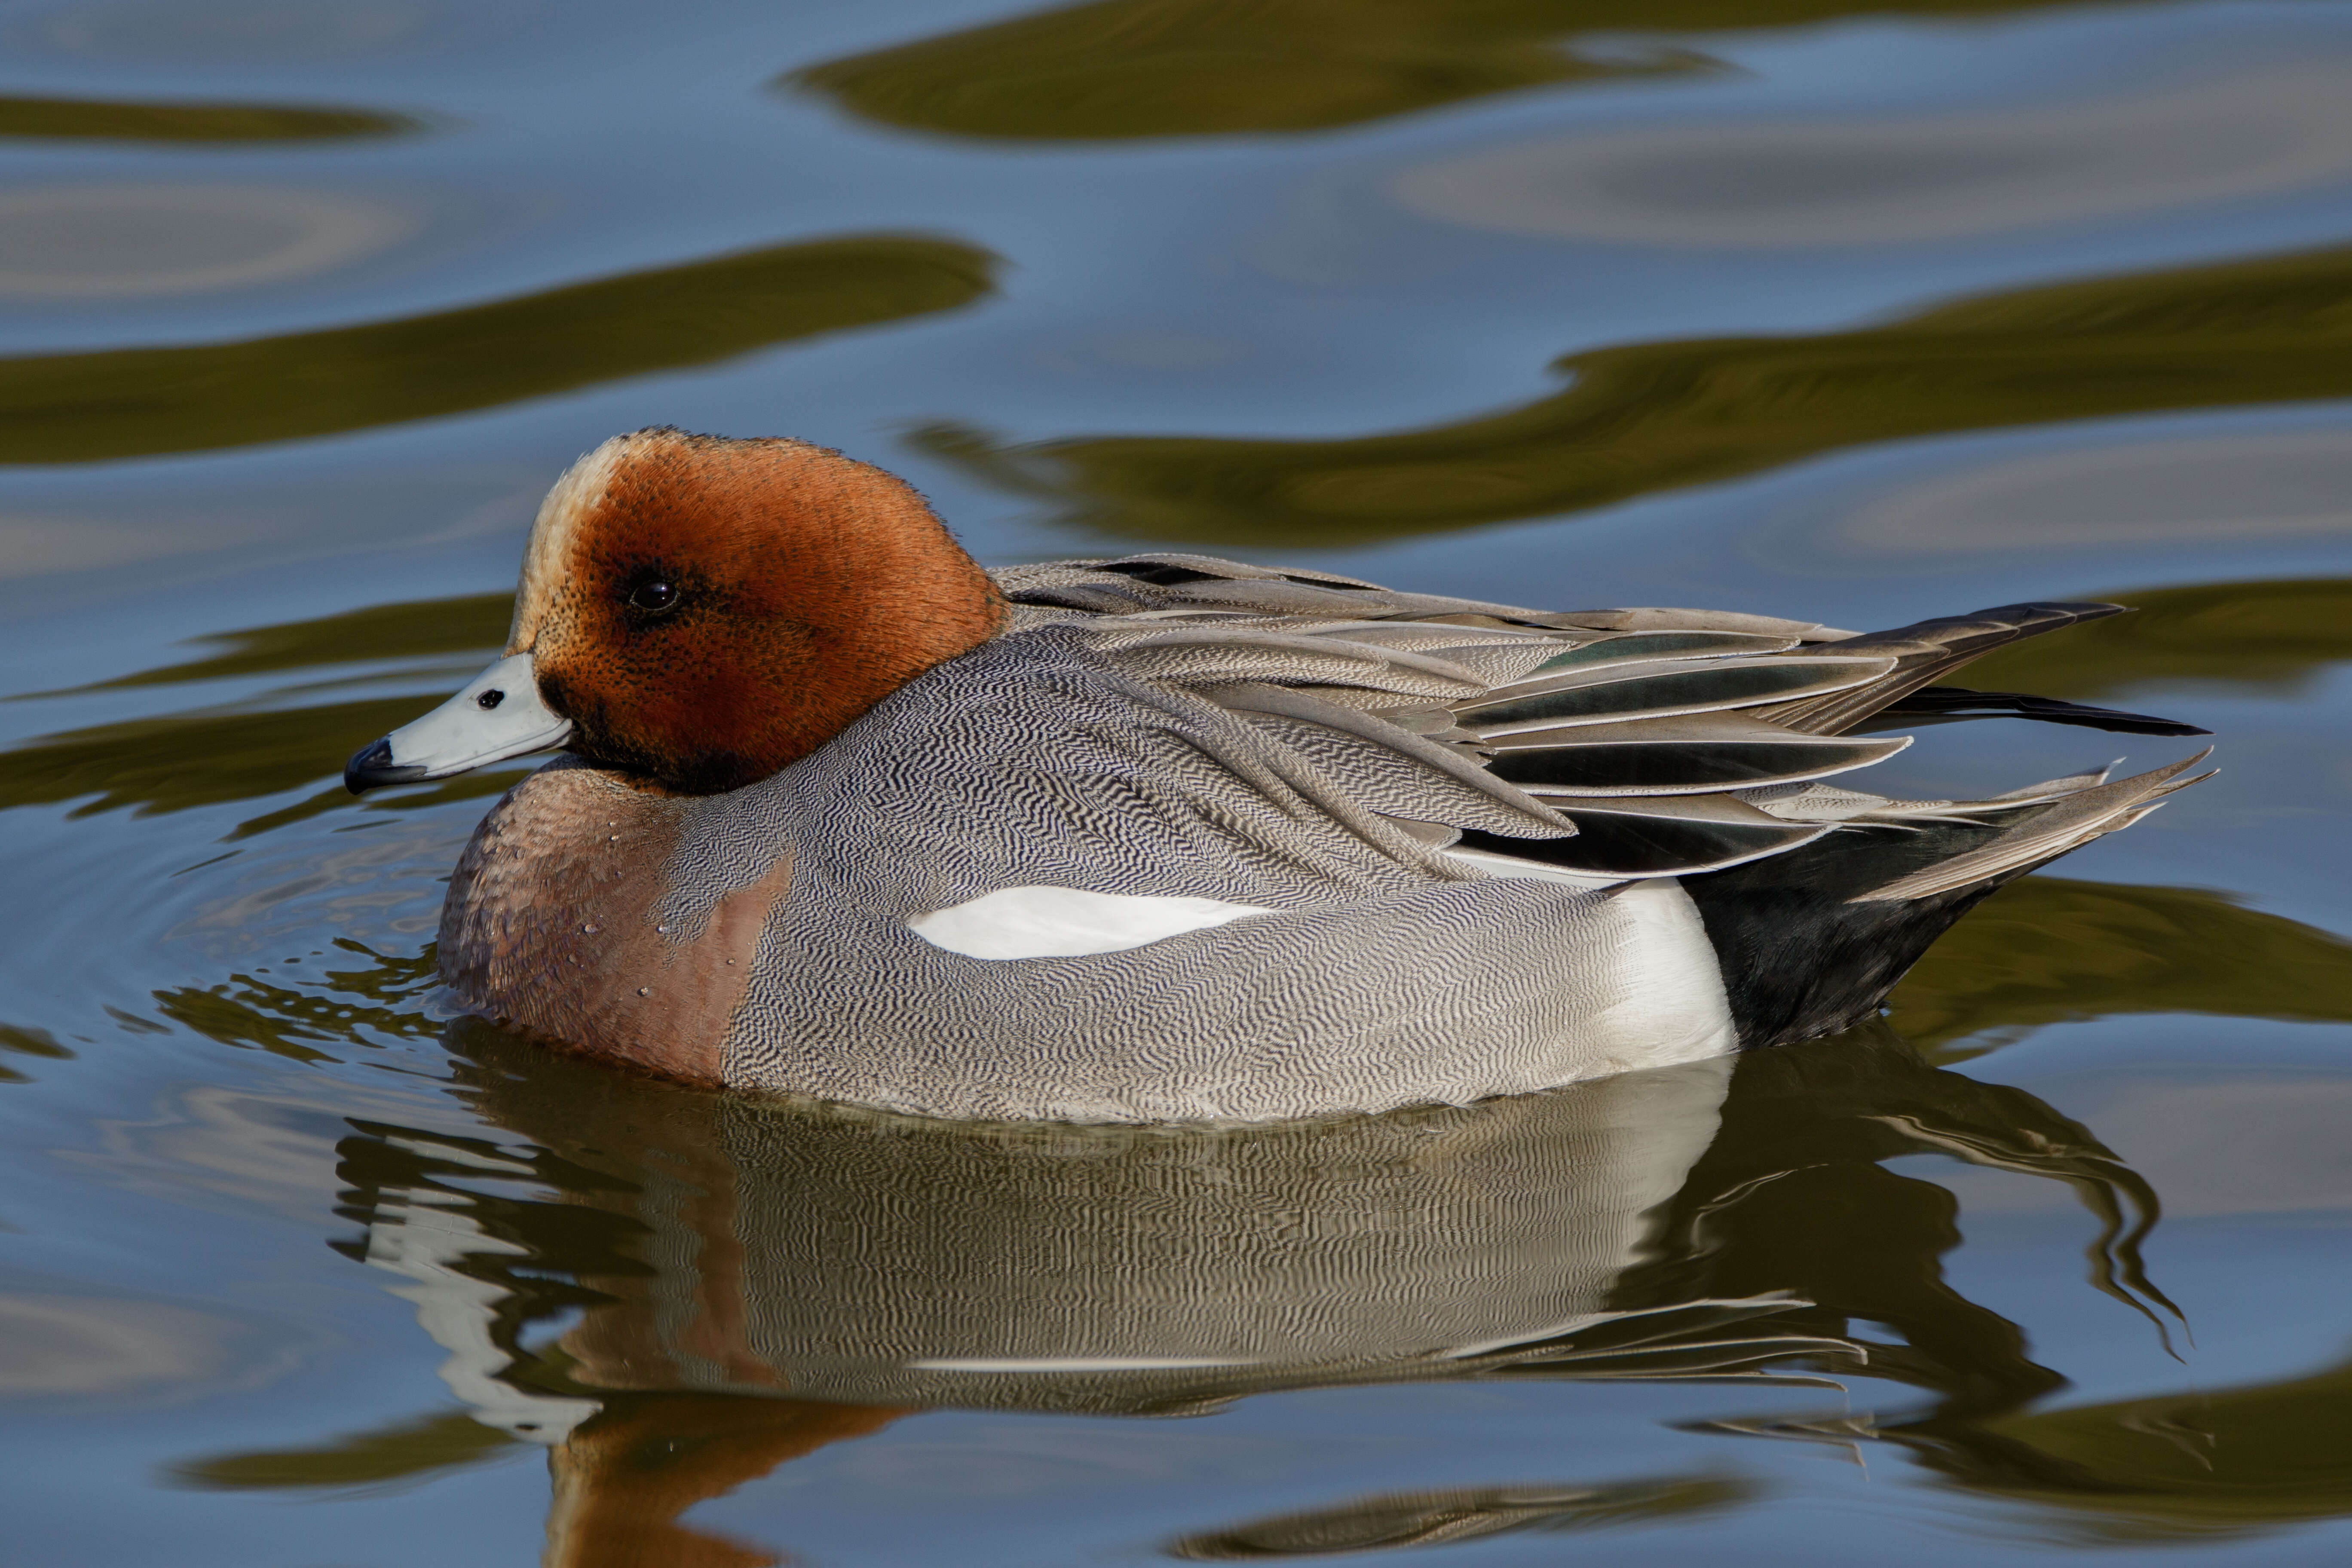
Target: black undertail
[{"x": 1799, "y": 960}]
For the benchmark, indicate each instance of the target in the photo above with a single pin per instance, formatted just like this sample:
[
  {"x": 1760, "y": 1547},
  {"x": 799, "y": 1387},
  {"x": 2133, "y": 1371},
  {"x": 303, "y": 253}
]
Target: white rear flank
[{"x": 1666, "y": 997}]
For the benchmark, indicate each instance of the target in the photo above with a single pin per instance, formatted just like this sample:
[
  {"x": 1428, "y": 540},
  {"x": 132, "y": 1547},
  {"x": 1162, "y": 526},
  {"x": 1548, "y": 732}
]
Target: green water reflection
[
  {"x": 174, "y": 762},
  {"x": 126, "y": 402},
  {"x": 2271, "y": 638},
  {"x": 2173, "y": 1469},
  {"x": 24, "y": 1042},
  {"x": 180, "y": 761},
  {"x": 1645, "y": 417},
  {"x": 93, "y": 119},
  {"x": 1128, "y": 69},
  {"x": 2170, "y": 1467},
  {"x": 419, "y": 628},
  {"x": 381, "y": 996},
  {"x": 2047, "y": 949},
  {"x": 429, "y": 1443}
]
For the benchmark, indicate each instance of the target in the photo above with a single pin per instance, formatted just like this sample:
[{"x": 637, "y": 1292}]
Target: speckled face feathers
[{"x": 707, "y": 610}]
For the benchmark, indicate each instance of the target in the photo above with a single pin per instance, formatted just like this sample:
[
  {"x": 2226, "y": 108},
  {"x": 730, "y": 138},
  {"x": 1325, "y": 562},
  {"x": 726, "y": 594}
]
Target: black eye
[
  {"x": 492, "y": 698},
  {"x": 653, "y": 596}
]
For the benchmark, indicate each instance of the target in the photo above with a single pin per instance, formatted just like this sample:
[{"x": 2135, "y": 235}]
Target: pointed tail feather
[
  {"x": 2067, "y": 824},
  {"x": 1925, "y": 651},
  {"x": 1944, "y": 704}
]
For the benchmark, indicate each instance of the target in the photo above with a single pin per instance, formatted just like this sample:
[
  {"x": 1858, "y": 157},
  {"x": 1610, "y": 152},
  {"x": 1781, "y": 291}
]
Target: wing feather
[
  {"x": 1593, "y": 746},
  {"x": 1661, "y": 691},
  {"x": 1688, "y": 754},
  {"x": 1281, "y": 703}
]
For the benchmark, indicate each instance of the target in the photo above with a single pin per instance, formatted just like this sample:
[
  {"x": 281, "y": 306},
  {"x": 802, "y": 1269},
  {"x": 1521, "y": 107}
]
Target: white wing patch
[{"x": 1066, "y": 923}]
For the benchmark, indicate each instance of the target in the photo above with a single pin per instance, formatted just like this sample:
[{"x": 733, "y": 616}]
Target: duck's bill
[{"x": 498, "y": 715}]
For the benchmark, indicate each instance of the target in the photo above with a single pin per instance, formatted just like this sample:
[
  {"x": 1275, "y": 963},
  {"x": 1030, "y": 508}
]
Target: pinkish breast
[{"x": 551, "y": 926}]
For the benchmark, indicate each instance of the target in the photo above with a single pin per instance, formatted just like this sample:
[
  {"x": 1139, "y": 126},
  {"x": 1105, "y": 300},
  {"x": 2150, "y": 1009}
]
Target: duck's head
[{"x": 695, "y": 612}]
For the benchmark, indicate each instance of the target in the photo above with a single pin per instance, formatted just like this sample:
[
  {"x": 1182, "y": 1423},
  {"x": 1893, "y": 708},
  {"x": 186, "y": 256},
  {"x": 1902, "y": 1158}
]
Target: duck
[{"x": 1161, "y": 838}]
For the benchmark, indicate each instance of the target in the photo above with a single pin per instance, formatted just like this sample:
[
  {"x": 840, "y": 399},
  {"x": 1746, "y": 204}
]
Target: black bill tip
[{"x": 372, "y": 766}]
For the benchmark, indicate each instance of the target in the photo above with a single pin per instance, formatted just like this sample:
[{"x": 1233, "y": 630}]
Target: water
[{"x": 1801, "y": 307}]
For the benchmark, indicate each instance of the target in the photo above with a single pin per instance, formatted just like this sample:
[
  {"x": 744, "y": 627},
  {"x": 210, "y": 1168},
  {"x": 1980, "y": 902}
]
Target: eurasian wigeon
[{"x": 1168, "y": 837}]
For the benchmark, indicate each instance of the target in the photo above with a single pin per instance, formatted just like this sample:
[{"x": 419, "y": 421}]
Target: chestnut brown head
[
  {"x": 707, "y": 610},
  {"x": 698, "y": 611}
]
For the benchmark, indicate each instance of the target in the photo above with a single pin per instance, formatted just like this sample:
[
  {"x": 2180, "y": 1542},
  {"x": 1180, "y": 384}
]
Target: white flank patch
[{"x": 1065, "y": 922}]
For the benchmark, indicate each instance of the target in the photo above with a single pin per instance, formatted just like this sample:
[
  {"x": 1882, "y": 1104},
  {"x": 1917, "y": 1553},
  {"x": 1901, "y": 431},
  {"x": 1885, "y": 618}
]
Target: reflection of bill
[{"x": 759, "y": 1277}]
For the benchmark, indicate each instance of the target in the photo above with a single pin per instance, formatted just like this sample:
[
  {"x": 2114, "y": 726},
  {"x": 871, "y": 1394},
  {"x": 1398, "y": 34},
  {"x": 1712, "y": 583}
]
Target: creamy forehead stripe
[
  {"x": 1066, "y": 923},
  {"x": 574, "y": 492}
]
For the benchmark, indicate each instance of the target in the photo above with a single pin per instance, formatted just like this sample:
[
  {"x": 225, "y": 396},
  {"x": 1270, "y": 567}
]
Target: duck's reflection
[
  {"x": 747, "y": 1280},
  {"x": 882, "y": 1261}
]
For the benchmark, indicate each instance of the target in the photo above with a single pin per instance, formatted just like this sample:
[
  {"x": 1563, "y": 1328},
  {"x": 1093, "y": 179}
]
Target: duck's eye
[{"x": 653, "y": 596}]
